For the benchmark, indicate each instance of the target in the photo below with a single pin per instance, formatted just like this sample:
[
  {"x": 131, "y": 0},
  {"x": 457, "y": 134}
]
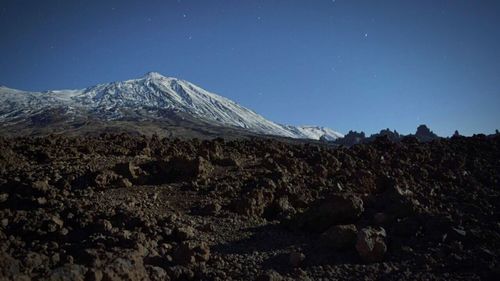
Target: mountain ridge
[{"x": 147, "y": 97}]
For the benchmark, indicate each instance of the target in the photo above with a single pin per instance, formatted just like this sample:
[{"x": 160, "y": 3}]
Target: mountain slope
[{"x": 152, "y": 97}]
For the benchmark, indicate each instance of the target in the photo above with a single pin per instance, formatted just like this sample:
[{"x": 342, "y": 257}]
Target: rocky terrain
[{"x": 118, "y": 207}]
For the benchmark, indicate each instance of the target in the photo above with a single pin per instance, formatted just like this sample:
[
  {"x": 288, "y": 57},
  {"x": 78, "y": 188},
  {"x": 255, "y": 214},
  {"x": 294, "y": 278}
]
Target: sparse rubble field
[{"x": 117, "y": 207}]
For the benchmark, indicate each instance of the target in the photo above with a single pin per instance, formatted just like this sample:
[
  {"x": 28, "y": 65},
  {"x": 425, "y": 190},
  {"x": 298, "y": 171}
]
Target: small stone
[
  {"x": 57, "y": 221},
  {"x": 70, "y": 259},
  {"x": 124, "y": 182},
  {"x": 41, "y": 186},
  {"x": 459, "y": 231},
  {"x": 3, "y": 197},
  {"x": 165, "y": 248},
  {"x": 184, "y": 233},
  {"x": 64, "y": 231},
  {"x": 157, "y": 273},
  {"x": 212, "y": 208},
  {"x": 41, "y": 200},
  {"x": 55, "y": 258},
  {"x": 125, "y": 234},
  {"x": 34, "y": 260},
  {"x": 54, "y": 224},
  {"x": 208, "y": 227},
  {"x": 105, "y": 225}
]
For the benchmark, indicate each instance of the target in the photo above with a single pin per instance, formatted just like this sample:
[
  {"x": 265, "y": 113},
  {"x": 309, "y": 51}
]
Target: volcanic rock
[
  {"x": 182, "y": 168},
  {"x": 129, "y": 267},
  {"x": 68, "y": 272},
  {"x": 184, "y": 233},
  {"x": 339, "y": 236},
  {"x": 371, "y": 245},
  {"x": 437, "y": 200},
  {"x": 296, "y": 258},
  {"x": 270, "y": 275},
  {"x": 254, "y": 202},
  {"x": 190, "y": 252},
  {"x": 130, "y": 171},
  {"x": 336, "y": 209},
  {"x": 4, "y": 197}
]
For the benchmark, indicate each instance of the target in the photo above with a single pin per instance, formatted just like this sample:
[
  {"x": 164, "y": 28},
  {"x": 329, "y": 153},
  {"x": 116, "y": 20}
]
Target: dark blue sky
[{"x": 363, "y": 65}]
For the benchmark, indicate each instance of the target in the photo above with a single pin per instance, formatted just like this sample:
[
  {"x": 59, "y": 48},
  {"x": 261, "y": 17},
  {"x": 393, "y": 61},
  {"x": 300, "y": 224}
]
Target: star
[{"x": 366, "y": 34}]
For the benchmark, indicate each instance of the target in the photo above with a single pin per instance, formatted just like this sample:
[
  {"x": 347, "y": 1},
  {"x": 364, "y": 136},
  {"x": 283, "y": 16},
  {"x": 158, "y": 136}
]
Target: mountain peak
[
  {"x": 153, "y": 75},
  {"x": 151, "y": 97}
]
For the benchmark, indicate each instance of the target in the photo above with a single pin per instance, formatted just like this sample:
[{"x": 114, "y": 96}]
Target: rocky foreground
[{"x": 117, "y": 207}]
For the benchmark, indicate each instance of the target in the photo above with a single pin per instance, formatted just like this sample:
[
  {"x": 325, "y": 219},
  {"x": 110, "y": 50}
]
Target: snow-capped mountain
[
  {"x": 316, "y": 132},
  {"x": 148, "y": 97}
]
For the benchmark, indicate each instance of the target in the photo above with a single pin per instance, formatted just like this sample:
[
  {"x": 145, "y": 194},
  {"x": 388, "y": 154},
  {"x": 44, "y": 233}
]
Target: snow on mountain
[
  {"x": 18, "y": 105},
  {"x": 316, "y": 132},
  {"x": 154, "y": 91}
]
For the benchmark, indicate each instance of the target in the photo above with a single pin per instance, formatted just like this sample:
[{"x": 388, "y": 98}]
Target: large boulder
[
  {"x": 371, "y": 245},
  {"x": 254, "y": 202},
  {"x": 399, "y": 202},
  {"x": 280, "y": 208},
  {"x": 184, "y": 233},
  {"x": 131, "y": 171},
  {"x": 9, "y": 266},
  {"x": 339, "y": 236},
  {"x": 110, "y": 179},
  {"x": 336, "y": 209},
  {"x": 184, "y": 169},
  {"x": 129, "y": 267},
  {"x": 71, "y": 272},
  {"x": 190, "y": 252}
]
